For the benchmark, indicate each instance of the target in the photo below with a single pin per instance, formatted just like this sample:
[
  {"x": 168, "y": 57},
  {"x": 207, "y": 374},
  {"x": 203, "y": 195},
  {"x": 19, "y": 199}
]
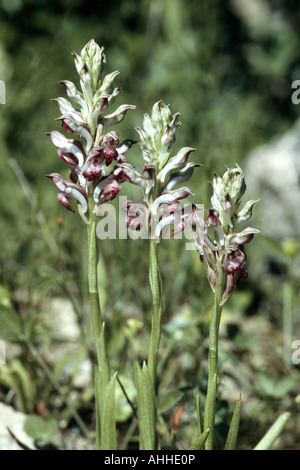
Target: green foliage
[{"x": 41, "y": 430}]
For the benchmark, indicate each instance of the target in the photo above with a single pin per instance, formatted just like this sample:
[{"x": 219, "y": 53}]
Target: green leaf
[
  {"x": 272, "y": 389},
  {"x": 98, "y": 394},
  {"x": 200, "y": 417},
  {"x": 5, "y": 299},
  {"x": 170, "y": 400},
  {"x": 277, "y": 428},
  {"x": 39, "y": 429},
  {"x": 108, "y": 425},
  {"x": 146, "y": 408},
  {"x": 23, "y": 386},
  {"x": 234, "y": 426},
  {"x": 200, "y": 441},
  {"x": 10, "y": 325}
]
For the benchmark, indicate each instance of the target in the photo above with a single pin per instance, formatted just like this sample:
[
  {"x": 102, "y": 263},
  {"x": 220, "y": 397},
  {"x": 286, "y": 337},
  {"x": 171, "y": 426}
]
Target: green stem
[
  {"x": 146, "y": 378},
  {"x": 104, "y": 386},
  {"x": 92, "y": 275},
  {"x": 210, "y": 402},
  {"x": 156, "y": 289}
]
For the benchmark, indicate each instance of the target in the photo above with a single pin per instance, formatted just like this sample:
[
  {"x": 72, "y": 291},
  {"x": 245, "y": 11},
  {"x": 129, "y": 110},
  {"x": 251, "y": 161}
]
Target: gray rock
[
  {"x": 13, "y": 420},
  {"x": 272, "y": 174}
]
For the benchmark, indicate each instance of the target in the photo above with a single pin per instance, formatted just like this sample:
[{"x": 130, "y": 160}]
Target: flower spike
[
  {"x": 223, "y": 250},
  {"x": 92, "y": 153},
  {"x": 162, "y": 172}
]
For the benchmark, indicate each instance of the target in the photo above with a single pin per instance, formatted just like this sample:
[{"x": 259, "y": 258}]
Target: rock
[
  {"x": 13, "y": 420},
  {"x": 272, "y": 174},
  {"x": 61, "y": 317}
]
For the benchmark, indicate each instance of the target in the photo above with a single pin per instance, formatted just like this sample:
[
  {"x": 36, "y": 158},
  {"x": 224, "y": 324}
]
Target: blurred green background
[{"x": 227, "y": 67}]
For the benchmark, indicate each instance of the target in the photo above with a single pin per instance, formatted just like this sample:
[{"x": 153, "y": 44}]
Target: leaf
[
  {"x": 200, "y": 441},
  {"x": 23, "y": 385},
  {"x": 98, "y": 394},
  {"x": 170, "y": 400},
  {"x": 234, "y": 426},
  {"x": 10, "y": 325},
  {"x": 277, "y": 428},
  {"x": 108, "y": 425},
  {"x": 39, "y": 429},
  {"x": 146, "y": 408},
  {"x": 5, "y": 299},
  {"x": 268, "y": 387},
  {"x": 200, "y": 417}
]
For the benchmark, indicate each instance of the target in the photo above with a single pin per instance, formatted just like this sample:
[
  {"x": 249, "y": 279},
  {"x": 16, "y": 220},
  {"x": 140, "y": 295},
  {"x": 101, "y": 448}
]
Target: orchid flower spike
[
  {"x": 93, "y": 156},
  {"x": 162, "y": 171},
  {"x": 217, "y": 240}
]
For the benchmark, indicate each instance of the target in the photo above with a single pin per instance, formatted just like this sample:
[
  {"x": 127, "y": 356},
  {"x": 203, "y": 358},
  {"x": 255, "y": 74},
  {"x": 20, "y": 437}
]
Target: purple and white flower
[
  {"x": 93, "y": 157},
  {"x": 162, "y": 172}
]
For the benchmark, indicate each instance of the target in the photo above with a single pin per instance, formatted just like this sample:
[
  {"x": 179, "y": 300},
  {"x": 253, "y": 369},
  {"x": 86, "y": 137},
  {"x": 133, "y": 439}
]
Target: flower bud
[
  {"x": 243, "y": 237},
  {"x": 227, "y": 192},
  {"x": 246, "y": 213}
]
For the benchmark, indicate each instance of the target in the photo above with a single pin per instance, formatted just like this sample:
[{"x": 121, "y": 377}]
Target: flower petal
[
  {"x": 75, "y": 95},
  {"x": 104, "y": 182},
  {"x": 65, "y": 201},
  {"x": 110, "y": 191},
  {"x": 70, "y": 190},
  {"x": 169, "y": 197},
  {"x": 243, "y": 237},
  {"x": 118, "y": 115},
  {"x": 246, "y": 213},
  {"x": 68, "y": 146},
  {"x": 78, "y": 127},
  {"x": 174, "y": 163},
  {"x": 182, "y": 175}
]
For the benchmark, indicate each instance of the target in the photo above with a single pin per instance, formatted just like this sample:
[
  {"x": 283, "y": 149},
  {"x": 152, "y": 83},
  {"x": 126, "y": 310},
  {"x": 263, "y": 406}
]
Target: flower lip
[{"x": 68, "y": 189}]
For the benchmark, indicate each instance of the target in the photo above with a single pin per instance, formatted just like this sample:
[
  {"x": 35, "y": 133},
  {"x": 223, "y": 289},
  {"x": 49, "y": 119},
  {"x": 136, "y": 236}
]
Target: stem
[
  {"x": 104, "y": 387},
  {"x": 210, "y": 402},
  {"x": 92, "y": 275},
  {"x": 156, "y": 289},
  {"x": 146, "y": 378}
]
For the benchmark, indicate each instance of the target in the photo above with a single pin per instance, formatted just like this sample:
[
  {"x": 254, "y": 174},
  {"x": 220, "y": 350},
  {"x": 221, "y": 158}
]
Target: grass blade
[
  {"x": 234, "y": 426},
  {"x": 200, "y": 441}
]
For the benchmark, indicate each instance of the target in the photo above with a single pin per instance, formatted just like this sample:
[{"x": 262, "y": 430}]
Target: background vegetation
[{"x": 227, "y": 67}]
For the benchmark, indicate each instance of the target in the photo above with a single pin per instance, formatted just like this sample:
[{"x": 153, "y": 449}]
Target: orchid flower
[
  {"x": 162, "y": 172},
  {"x": 90, "y": 156},
  {"x": 217, "y": 240},
  {"x": 159, "y": 179},
  {"x": 95, "y": 177},
  {"x": 222, "y": 248}
]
